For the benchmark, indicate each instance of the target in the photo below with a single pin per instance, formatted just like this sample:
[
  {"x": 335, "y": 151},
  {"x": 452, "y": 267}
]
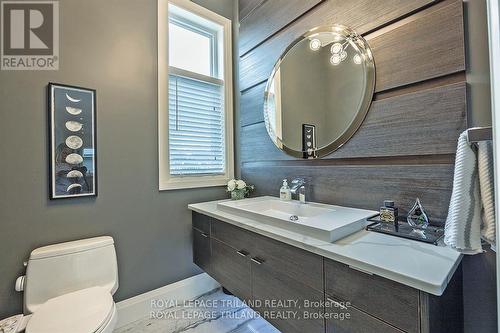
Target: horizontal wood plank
[
  {"x": 425, "y": 122},
  {"x": 252, "y": 105},
  {"x": 428, "y": 84},
  {"x": 427, "y": 47},
  {"x": 363, "y": 186},
  {"x": 421, "y": 123},
  {"x": 252, "y": 100},
  {"x": 255, "y": 145},
  {"x": 245, "y": 7},
  {"x": 268, "y": 18},
  {"x": 256, "y": 66}
]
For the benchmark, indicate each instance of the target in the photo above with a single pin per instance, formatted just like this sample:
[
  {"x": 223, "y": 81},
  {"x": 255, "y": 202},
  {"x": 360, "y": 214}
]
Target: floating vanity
[{"x": 385, "y": 283}]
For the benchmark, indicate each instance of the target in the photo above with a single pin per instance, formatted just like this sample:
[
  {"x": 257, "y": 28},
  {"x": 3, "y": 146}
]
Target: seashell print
[
  {"x": 74, "y": 159},
  {"x": 73, "y": 111},
  {"x": 74, "y": 189},
  {"x": 74, "y": 142},
  {"x": 73, "y": 126},
  {"x": 74, "y": 174},
  {"x": 71, "y": 99}
]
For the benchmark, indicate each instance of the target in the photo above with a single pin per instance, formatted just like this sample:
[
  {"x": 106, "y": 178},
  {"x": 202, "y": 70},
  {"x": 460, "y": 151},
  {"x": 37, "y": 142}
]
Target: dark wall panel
[
  {"x": 247, "y": 6},
  {"x": 251, "y": 105},
  {"x": 253, "y": 29},
  {"x": 425, "y": 122},
  {"x": 362, "y": 186},
  {"x": 405, "y": 147},
  {"x": 425, "y": 47},
  {"x": 362, "y": 15}
]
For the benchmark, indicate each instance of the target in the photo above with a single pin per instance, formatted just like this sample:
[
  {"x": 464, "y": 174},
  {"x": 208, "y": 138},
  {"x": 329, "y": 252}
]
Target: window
[{"x": 194, "y": 96}]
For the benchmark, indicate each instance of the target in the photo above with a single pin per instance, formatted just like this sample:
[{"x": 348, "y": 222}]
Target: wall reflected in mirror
[{"x": 319, "y": 92}]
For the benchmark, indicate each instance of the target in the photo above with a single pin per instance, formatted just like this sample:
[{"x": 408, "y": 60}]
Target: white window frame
[{"x": 167, "y": 181}]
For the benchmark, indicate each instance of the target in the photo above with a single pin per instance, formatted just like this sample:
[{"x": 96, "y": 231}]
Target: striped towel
[
  {"x": 486, "y": 185},
  {"x": 463, "y": 225}
]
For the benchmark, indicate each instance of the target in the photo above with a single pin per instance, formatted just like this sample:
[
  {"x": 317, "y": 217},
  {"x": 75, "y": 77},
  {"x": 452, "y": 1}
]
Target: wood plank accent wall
[{"x": 405, "y": 147}]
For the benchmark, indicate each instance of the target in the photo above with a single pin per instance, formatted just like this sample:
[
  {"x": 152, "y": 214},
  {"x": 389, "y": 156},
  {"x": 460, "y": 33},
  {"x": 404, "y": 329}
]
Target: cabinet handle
[
  {"x": 204, "y": 235},
  {"x": 338, "y": 304},
  {"x": 242, "y": 253},
  {"x": 257, "y": 261}
]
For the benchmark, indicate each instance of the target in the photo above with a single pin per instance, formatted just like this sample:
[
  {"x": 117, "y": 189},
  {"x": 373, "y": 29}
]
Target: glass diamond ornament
[{"x": 417, "y": 217}]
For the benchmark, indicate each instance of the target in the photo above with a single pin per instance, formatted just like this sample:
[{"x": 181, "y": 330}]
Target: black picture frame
[{"x": 72, "y": 131}]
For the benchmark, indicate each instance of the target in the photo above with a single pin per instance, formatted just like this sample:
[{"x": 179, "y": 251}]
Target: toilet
[{"x": 69, "y": 287}]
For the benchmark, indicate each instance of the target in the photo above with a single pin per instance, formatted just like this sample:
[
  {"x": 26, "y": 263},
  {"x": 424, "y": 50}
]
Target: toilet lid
[{"x": 83, "y": 311}]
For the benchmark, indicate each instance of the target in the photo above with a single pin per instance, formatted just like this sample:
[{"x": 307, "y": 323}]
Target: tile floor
[{"x": 214, "y": 312}]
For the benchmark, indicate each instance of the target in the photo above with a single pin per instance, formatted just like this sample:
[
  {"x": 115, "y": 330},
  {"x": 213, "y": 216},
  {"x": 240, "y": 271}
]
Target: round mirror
[{"x": 319, "y": 92}]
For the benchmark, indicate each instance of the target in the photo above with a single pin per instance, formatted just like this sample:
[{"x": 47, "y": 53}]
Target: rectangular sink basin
[{"x": 324, "y": 222}]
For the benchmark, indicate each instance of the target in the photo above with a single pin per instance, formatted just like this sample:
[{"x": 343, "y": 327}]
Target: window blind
[{"x": 196, "y": 127}]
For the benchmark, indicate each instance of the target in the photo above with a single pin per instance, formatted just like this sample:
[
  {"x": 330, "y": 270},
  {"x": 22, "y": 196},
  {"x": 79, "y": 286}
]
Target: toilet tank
[{"x": 59, "y": 269}]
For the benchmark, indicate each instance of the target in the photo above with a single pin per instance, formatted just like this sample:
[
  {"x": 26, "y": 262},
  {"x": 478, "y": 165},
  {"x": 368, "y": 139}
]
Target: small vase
[{"x": 238, "y": 194}]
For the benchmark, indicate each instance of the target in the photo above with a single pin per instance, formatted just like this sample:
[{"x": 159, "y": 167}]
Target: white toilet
[{"x": 69, "y": 287}]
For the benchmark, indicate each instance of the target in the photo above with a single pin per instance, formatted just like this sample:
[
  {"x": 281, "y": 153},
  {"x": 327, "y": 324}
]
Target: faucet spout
[{"x": 298, "y": 188}]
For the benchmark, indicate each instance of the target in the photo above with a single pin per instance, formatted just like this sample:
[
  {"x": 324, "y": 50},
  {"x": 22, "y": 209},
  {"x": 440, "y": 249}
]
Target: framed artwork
[{"x": 72, "y": 136}]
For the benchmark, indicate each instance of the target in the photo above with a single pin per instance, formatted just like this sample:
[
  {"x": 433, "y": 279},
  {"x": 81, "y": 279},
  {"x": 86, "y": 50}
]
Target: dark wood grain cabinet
[
  {"x": 202, "y": 254},
  {"x": 231, "y": 268},
  {"x": 359, "y": 321},
  {"x": 299, "y": 291},
  {"x": 390, "y": 301},
  {"x": 293, "y": 279},
  {"x": 279, "y": 295}
]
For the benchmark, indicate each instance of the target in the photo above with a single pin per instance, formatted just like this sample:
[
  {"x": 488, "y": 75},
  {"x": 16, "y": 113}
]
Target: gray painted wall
[{"x": 110, "y": 46}]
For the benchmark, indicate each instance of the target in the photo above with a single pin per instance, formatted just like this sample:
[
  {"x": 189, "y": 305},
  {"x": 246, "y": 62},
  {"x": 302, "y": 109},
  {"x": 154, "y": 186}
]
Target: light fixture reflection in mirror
[
  {"x": 324, "y": 81},
  {"x": 338, "y": 50}
]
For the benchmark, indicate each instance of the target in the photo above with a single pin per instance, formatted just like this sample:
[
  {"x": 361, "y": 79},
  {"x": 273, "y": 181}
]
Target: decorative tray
[{"x": 430, "y": 235}]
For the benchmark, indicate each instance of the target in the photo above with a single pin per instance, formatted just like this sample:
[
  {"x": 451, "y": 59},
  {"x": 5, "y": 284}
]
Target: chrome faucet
[{"x": 298, "y": 188}]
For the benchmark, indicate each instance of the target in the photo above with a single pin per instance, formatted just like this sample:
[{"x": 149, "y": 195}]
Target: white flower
[
  {"x": 241, "y": 184},
  {"x": 231, "y": 185}
]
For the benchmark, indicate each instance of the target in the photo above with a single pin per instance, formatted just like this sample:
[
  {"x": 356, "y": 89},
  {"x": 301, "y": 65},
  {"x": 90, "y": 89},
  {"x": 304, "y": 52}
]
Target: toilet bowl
[
  {"x": 69, "y": 287},
  {"x": 89, "y": 310}
]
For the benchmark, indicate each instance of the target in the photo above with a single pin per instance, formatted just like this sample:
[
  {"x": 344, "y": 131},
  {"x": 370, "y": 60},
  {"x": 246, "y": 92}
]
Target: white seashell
[
  {"x": 73, "y": 126},
  {"x": 74, "y": 186},
  {"x": 74, "y": 100},
  {"x": 74, "y": 174},
  {"x": 74, "y": 142},
  {"x": 74, "y": 159},
  {"x": 73, "y": 111}
]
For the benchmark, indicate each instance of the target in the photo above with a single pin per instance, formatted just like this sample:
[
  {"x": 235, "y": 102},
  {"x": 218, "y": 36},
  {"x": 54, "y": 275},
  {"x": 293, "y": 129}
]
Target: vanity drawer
[
  {"x": 358, "y": 321},
  {"x": 390, "y": 301},
  {"x": 231, "y": 269},
  {"x": 201, "y": 222},
  {"x": 296, "y": 263},
  {"x": 273, "y": 291},
  {"x": 233, "y": 236},
  {"x": 201, "y": 249}
]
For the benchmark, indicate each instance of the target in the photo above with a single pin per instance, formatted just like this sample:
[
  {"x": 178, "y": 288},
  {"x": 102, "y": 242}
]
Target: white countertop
[{"x": 416, "y": 264}]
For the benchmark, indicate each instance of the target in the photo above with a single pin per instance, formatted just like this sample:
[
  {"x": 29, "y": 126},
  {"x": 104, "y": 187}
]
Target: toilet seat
[{"x": 84, "y": 311}]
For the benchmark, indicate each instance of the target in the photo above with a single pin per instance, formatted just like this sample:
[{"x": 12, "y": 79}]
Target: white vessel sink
[{"x": 324, "y": 222}]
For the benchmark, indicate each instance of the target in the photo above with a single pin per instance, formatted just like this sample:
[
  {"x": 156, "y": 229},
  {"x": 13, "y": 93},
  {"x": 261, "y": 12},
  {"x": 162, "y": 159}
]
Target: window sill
[{"x": 191, "y": 183}]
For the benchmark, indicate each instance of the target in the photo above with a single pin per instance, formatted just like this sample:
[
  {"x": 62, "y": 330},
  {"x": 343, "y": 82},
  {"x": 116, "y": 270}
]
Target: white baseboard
[{"x": 138, "y": 307}]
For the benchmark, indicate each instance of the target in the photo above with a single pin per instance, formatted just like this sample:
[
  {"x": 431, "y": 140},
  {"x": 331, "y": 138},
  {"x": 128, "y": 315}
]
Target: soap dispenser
[{"x": 285, "y": 193}]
